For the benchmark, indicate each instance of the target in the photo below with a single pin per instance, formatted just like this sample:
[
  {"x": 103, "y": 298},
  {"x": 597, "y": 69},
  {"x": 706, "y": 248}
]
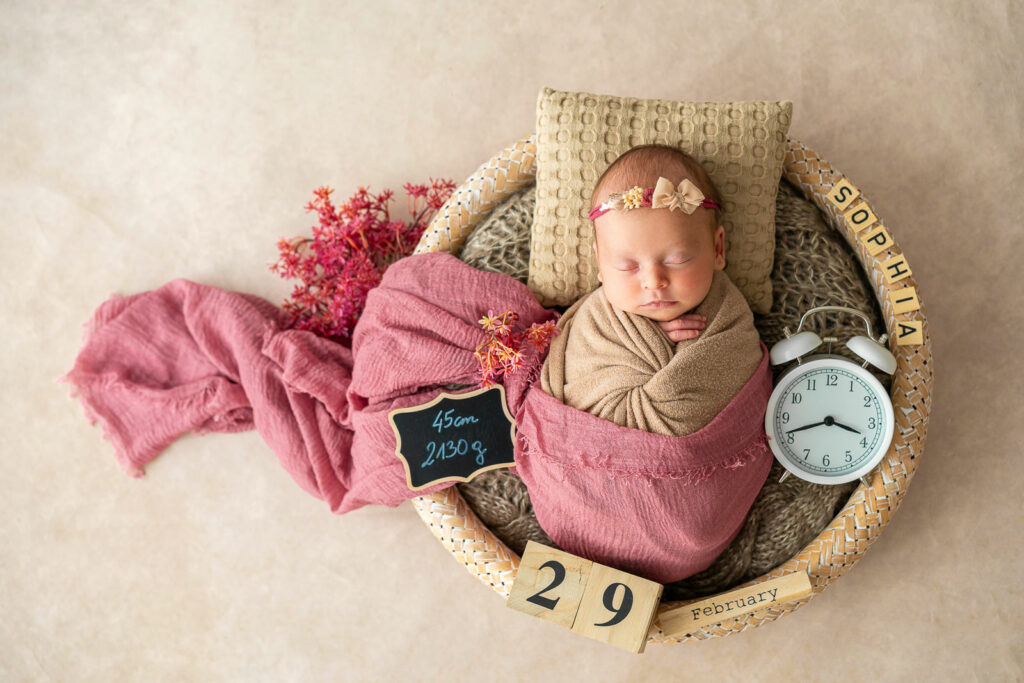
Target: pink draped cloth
[{"x": 188, "y": 357}]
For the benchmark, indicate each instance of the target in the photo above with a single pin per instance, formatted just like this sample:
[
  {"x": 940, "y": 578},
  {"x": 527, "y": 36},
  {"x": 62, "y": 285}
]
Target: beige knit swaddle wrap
[{"x": 622, "y": 367}]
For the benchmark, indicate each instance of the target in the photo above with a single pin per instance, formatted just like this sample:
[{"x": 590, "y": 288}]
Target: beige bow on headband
[{"x": 687, "y": 197}]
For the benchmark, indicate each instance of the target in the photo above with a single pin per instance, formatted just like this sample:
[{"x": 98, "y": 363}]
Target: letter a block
[{"x": 588, "y": 598}]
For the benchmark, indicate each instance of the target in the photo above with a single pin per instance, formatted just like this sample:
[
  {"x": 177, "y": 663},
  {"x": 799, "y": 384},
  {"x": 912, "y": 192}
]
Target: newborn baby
[
  {"x": 663, "y": 282},
  {"x": 646, "y": 446}
]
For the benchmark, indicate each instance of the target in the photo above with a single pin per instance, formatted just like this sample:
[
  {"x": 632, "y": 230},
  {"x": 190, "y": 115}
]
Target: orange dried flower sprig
[{"x": 503, "y": 351}]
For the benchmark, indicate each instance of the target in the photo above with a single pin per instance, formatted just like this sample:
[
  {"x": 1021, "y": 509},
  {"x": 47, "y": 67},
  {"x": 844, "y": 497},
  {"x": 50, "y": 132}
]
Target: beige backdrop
[{"x": 140, "y": 142}]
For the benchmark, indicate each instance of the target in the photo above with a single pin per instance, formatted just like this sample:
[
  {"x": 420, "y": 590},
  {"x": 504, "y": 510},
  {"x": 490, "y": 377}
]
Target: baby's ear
[{"x": 719, "y": 248}]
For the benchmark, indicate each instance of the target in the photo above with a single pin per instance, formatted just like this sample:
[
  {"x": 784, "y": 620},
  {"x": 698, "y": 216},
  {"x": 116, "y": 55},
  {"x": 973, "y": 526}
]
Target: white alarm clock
[{"x": 829, "y": 420}]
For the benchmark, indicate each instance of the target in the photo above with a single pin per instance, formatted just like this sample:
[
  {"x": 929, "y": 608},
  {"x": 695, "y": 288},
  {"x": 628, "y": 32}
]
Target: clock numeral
[
  {"x": 812, "y": 385},
  {"x": 807, "y": 452},
  {"x": 864, "y": 442},
  {"x": 824, "y": 460},
  {"x": 832, "y": 381},
  {"x": 785, "y": 418},
  {"x": 851, "y": 385},
  {"x": 871, "y": 423},
  {"x": 796, "y": 397},
  {"x": 848, "y": 457},
  {"x": 789, "y": 437},
  {"x": 867, "y": 401}
]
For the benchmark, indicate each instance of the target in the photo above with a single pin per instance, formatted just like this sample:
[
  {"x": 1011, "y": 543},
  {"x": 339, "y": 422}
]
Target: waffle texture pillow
[{"x": 740, "y": 144}]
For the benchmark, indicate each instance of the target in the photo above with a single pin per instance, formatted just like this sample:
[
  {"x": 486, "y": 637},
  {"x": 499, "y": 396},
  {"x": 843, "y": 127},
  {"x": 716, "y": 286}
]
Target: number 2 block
[
  {"x": 588, "y": 598},
  {"x": 549, "y": 584}
]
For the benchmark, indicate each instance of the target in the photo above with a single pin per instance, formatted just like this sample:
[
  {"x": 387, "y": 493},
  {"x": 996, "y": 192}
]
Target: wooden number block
[
  {"x": 876, "y": 240},
  {"x": 618, "y": 608},
  {"x": 904, "y": 300},
  {"x": 860, "y": 217},
  {"x": 697, "y": 615},
  {"x": 842, "y": 194},
  {"x": 896, "y": 268},
  {"x": 909, "y": 332},
  {"x": 549, "y": 584}
]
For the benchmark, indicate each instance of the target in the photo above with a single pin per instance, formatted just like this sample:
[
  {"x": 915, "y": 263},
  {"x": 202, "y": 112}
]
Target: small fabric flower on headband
[{"x": 687, "y": 198}]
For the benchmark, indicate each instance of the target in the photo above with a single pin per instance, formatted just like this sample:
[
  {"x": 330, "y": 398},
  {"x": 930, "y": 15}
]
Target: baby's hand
[{"x": 686, "y": 326}]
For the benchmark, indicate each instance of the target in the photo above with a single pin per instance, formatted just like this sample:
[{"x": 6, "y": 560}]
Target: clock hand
[
  {"x": 849, "y": 429},
  {"x": 800, "y": 429}
]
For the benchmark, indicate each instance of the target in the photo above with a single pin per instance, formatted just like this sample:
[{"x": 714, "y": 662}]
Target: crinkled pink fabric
[
  {"x": 191, "y": 357},
  {"x": 662, "y": 507}
]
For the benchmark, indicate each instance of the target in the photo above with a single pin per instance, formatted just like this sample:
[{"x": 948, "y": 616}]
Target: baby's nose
[{"x": 654, "y": 278}]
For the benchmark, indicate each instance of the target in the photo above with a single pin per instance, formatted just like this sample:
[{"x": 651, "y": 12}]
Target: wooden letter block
[
  {"x": 618, "y": 608},
  {"x": 876, "y": 240},
  {"x": 843, "y": 193},
  {"x": 909, "y": 332},
  {"x": 859, "y": 217},
  {"x": 904, "y": 300},
  {"x": 549, "y": 584},
  {"x": 715, "y": 610},
  {"x": 896, "y": 268}
]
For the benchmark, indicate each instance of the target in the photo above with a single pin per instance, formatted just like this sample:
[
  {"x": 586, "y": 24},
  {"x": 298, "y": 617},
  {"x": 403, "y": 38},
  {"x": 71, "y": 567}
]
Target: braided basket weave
[{"x": 867, "y": 511}]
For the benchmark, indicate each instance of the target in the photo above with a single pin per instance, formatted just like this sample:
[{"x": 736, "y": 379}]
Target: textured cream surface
[
  {"x": 740, "y": 145},
  {"x": 143, "y": 142}
]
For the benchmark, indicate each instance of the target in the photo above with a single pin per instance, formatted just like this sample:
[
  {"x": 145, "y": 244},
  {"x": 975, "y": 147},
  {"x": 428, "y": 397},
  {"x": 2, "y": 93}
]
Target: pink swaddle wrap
[
  {"x": 663, "y": 507},
  {"x": 656, "y": 470}
]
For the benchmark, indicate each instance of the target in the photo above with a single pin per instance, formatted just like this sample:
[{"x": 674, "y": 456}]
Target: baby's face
[{"x": 655, "y": 262}]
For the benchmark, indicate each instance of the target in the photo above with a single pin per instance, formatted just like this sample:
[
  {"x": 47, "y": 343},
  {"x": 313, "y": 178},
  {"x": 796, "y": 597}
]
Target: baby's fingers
[{"x": 686, "y": 326}]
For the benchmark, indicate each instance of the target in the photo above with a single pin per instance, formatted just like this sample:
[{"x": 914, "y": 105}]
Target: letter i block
[
  {"x": 618, "y": 608},
  {"x": 549, "y": 584},
  {"x": 904, "y": 300}
]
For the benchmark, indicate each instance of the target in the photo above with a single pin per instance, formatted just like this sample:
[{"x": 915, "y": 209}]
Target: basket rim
[{"x": 867, "y": 511}]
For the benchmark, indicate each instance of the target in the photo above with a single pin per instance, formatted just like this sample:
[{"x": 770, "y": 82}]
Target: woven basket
[{"x": 868, "y": 510}]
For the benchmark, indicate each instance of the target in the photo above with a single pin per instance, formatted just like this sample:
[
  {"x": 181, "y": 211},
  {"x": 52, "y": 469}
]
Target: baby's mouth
[{"x": 658, "y": 303}]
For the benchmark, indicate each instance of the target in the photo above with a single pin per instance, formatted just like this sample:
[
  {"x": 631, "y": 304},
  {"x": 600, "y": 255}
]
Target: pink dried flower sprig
[
  {"x": 351, "y": 247},
  {"x": 503, "y": 351}
]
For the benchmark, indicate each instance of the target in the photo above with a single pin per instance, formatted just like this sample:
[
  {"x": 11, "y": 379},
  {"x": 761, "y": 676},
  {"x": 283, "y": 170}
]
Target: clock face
[{"x": 829, "y": 420}]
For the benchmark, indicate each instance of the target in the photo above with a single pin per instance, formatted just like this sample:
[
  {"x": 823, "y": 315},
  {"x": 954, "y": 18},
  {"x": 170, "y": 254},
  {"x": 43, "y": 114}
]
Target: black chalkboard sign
[{"x": 454, "y": 437}]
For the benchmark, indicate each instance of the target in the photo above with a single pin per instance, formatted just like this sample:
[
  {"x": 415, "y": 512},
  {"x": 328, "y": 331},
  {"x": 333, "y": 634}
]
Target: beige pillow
[{"x": 740, "y": 144}]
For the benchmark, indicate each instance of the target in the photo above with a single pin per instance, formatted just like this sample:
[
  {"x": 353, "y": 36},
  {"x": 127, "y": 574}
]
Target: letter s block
[{"x": 842, "y": 194}]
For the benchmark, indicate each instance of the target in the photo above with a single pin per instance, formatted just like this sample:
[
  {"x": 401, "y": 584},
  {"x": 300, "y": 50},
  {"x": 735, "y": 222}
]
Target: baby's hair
[{"x": 643, "y": 165}]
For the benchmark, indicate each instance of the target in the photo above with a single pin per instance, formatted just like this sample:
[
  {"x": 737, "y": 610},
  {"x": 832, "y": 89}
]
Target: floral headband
[{"x": 687, "y": 197}]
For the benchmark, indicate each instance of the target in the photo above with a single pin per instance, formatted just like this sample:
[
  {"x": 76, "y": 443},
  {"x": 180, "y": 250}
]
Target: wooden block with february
[
  {"x": 549, "y": 584},
  {"x": 618, "y": 608},
  {"x": 736, "y": 603}
]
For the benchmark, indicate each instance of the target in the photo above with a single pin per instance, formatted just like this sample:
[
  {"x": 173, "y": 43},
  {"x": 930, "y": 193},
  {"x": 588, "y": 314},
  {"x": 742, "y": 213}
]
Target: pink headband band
[{"x": 687, "y": 197}]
